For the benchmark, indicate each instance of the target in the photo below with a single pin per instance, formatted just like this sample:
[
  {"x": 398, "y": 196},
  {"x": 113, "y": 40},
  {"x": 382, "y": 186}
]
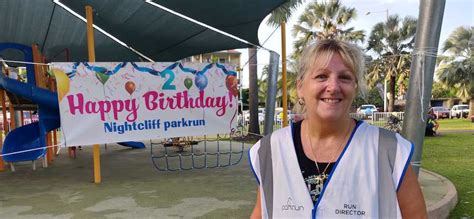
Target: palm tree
[
  {"x": 290, "y": 81},
  {"x": 392, "y": 41},
  {"x": 283, "y": 12},
  {"x": 325, "y": 20},
  {"x": 456, "y": 69}
]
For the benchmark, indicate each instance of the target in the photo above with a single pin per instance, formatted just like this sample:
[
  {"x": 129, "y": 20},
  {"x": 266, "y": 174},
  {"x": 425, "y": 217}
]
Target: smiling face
[{"x": 328, "y": 89}]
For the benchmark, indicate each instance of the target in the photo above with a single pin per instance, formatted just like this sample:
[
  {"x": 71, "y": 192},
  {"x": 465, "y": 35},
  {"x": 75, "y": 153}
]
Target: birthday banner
[{"x": 114, "y": 102}]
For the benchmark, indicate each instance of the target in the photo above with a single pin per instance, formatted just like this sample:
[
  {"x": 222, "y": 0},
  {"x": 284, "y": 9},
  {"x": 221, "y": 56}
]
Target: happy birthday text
[{"x": 152, "y": 101}]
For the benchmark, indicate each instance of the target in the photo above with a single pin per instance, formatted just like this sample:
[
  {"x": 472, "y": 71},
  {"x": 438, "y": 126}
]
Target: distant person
[
  {"x": 329, "y": 165},
  {"x": 431, "y": 124}
]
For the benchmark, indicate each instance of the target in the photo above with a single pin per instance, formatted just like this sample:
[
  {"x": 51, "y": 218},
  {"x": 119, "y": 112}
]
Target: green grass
[
  {"x": 455, "y": 124},
  {"x": 452, "y": 156}
]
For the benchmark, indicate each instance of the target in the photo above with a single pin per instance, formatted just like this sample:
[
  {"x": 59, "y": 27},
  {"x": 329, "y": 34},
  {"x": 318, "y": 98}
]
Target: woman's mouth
[{"x": 331, "y": 100}]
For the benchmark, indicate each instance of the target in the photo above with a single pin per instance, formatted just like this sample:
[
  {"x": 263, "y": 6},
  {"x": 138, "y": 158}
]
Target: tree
[
  {"x": 392, "y": 41},
  {"x": 290, "y": 82},
  {"x": 325, "y": 20},
  {"x": 245, "y": 98},
  {"x": 372, "y": 97},
  {"x": 283, "y": 12},
  {"x": 456, "y": 68},
  {"x": 440, "y": 90}
]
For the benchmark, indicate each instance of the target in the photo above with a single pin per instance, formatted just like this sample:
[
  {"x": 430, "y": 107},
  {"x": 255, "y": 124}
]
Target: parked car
[
  {"x": 459, "y": 111},
  {"x": 261, "y": 115},
  {"x": 279, "y": 115},
  {"x": 367, "y": 109},
  {"x": 441, "y": 112},
  {"x": 246, "y": 115}
]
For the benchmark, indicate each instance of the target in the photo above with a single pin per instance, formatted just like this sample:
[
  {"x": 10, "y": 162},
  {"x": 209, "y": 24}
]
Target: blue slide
[
  {"x": 30, "y": 136},
  {"x": 132, "y": 144}
]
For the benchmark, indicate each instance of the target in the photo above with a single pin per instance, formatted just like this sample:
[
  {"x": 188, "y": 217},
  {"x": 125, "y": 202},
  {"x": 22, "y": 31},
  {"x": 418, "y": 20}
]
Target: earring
[{"x": 301, "y": 101}]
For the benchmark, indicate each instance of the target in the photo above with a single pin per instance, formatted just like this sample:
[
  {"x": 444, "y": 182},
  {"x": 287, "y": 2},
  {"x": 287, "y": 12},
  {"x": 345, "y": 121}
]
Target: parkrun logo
[{"x": 291, "y": 207}]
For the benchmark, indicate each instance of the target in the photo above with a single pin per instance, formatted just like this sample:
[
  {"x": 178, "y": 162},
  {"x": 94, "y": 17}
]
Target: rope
[
  {"x": 22, "y": 62},
  {"x": 416, "y": 163},
  {"x": 422, "y": 83},
  {"x": 49, "y": 27},
  {"x": 271, "y": 34},
  {"x": 34, "y": 149},
  {"x": 251, "y": 133}
]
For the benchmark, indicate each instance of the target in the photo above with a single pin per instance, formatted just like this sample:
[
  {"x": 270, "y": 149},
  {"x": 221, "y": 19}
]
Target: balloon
[
  {"x": 231, "y": 84},
  {"x": 102, "y": 77},
  {"x": 62, "y": 80},
  {"x": 200, "y": 81},
  {"x": 188, "y": 83},
  {"x": 130, "y": 87}
]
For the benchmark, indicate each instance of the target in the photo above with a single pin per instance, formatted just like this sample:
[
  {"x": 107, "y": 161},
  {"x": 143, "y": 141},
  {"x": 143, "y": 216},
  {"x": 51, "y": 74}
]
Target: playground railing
[{"x": 198, "y": 152}]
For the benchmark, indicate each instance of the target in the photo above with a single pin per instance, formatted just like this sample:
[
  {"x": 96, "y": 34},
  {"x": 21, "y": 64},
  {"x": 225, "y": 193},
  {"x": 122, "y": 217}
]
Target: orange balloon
[
  {"x": 231, "y": 84},
  {"x": 130, "y": 87}
]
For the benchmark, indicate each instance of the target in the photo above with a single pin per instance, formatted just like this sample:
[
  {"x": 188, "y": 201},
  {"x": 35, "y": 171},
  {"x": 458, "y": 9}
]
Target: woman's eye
[
  {"x": 320, "y": 77},
  {"x": 346, "y": 78}
]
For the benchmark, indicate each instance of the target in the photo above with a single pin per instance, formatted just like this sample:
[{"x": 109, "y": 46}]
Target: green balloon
[
  {"x": 188, "y": 83},
  {"x": 102, "y": 77}
]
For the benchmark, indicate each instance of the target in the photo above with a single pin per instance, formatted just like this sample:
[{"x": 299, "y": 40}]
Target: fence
[
  {"x": 379, "y": 119},
  {"x": 244, "y": 123}
]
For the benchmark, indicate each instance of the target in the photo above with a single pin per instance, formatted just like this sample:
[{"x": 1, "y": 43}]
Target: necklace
[{"x": 322, "y": 176}]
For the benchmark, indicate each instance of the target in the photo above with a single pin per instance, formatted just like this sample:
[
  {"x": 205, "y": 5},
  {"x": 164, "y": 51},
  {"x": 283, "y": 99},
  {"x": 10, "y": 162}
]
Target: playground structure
[
  {"x": 237, "y": 18},
  {"x": 32, "y": 140},
  {"x": 34, "y": 136}
]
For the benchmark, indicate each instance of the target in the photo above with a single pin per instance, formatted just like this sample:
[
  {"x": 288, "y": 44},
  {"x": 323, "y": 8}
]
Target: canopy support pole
[
  {"x": 421, "y": 79},
  {"x": 284, "y": 91},
  {"x": 91, "y": 50},
  {"x": 271, "y": 93}
]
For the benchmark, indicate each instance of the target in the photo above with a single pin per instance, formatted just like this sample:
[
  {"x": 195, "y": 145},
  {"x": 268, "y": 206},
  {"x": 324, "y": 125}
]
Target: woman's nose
[{"x": 332, "y": 85}]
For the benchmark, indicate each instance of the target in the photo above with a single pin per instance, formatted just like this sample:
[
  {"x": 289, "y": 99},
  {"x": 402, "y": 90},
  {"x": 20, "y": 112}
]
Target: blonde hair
[{"x": 320, "y": 53}]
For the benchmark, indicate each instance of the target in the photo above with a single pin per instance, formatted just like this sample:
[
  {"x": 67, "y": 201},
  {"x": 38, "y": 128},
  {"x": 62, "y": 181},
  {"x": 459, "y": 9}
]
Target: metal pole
[
  {"x": 271, "y": 93},
  {"x": 385, "y": 95},
  {"x": 239, "y": 71},
  {"x": 422, "y": 70},
  {"x": 284, "y": 92}
]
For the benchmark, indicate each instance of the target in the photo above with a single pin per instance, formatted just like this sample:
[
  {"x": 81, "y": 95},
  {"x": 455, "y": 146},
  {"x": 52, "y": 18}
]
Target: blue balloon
[{"x": 200, "y": 81}]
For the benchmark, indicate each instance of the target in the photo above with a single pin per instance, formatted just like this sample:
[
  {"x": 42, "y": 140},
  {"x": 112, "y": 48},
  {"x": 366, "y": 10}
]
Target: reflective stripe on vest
[
  {"x": 387, "y": 152},
  {"x": 266, "y": 171}
]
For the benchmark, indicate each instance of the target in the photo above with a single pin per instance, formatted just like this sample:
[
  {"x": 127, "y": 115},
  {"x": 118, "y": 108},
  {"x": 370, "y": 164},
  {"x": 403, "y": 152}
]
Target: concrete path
[{"x": 133, "y": 188}]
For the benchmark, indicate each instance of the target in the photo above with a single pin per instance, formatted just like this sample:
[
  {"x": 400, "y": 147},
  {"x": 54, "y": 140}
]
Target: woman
[{"x": 330, "y": 165}]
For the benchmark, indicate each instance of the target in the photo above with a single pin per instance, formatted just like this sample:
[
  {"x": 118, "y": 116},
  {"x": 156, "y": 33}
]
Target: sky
[{"x": 456, "y": 13}]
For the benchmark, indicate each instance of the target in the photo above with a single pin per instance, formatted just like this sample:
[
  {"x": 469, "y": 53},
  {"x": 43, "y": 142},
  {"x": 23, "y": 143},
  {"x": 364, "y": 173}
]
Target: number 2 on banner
[{"x": 167, "y": 85}]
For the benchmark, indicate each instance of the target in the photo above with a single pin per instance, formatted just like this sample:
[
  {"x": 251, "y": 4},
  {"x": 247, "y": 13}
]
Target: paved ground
[{"x": 133, "y": 188}]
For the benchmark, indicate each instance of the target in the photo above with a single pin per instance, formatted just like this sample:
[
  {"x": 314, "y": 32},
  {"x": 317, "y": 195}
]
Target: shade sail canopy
[{"x": 156, "y": 33}]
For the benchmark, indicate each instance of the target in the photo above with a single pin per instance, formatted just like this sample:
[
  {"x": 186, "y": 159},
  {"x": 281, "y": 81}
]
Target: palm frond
[{"x": 283, "y": 12}]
